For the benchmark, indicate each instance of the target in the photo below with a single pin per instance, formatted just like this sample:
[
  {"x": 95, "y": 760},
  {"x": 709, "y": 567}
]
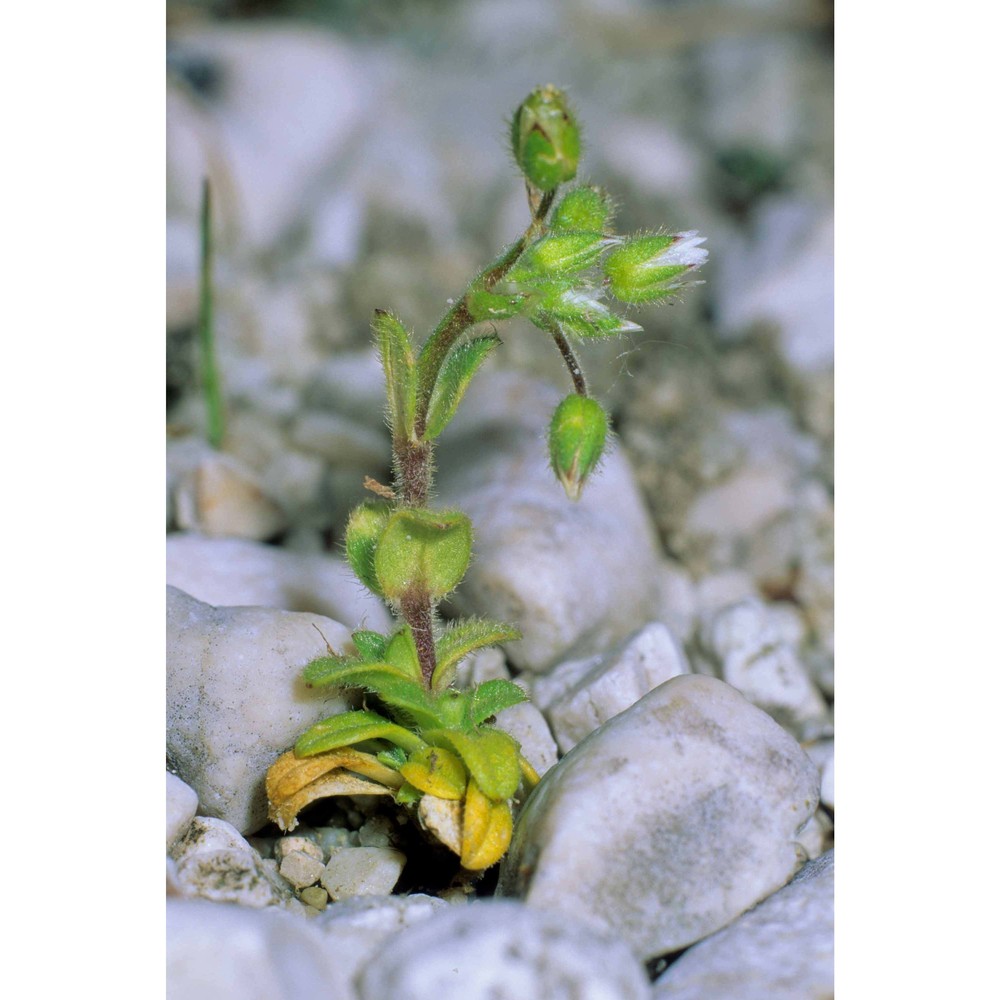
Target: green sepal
[
  {"x": 461, "y": 638},
  {"x": 407, "y": 795},
  {"x": 559, "y": 255},
  {"x": 401, "y": 653},
  {"x": 396, "y": 352},
  {"x": 370, "y": 645},
  {"x": 350, "y": 728},
  {"x": 394, "y": 757},
  {"x": 456, "y": 373},
  {"x": 491, "y": 756},
  {"x": 364, "y": 529},
  {"x": 579, "y": 312},
  {"x": 586, "y": 209},
  {"x": 492, "y": 697},
  {"x": 423, "y": 553},
  {"x": 484, "y": 306}
]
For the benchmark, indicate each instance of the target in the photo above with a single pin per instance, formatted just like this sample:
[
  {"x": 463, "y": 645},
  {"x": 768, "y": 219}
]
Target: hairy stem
[{"x": 575, "y": 371}]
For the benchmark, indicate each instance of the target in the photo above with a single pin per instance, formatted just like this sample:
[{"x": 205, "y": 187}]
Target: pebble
[
  {"x": 580, "y": 695},
  {"x": 182, "y": 804},
  {"x": 503, "y": 950},
  {"x": 753, "y": 646},
  {"x": 234, "y": 571},
  {"x": 300, "y": 869},
  {"x": 668, "y": 821},
  {"x": 315, "y": 896},
  {"x": 362, "y": 871},
  {"x": 218, "y": 951},
  {"x": 781, "y": 950},
  {"x": 236, "y": 700},
  {"x": 534, "y": 562}
]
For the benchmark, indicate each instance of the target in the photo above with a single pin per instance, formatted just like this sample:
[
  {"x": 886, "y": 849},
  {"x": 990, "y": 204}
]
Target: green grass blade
[{"x": 211, "y": 383}]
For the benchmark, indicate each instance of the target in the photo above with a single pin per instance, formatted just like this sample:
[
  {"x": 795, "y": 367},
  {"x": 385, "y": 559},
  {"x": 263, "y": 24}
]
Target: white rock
[
  {"x": 527, "y": 725},
  {"x": 236, "y": 700},
  {"x": 296, "y": 843},
  {"x": 224, "y": 952},
  {"x": 678, "y": 603},
  {"x": 182, "y": 804},
  {"x": 206, "y": 834},
  {"x": 503, "y": 950},
  {"x": 574, "y": 577},
  {"x": 300, "y": 869},
  {"x": 668, "y": 821},
  {"x": 233, "y": 571},
  {"x": 754, "y": 645},
  {"x": 340, "y": 440},
  {"x": 362, "y": 871},
  {"x": 781, "y": 950},
  {"x": 222, "y": 497},
  {"x": 485, "y": 665},
  {"x": 579, "y": 695}
]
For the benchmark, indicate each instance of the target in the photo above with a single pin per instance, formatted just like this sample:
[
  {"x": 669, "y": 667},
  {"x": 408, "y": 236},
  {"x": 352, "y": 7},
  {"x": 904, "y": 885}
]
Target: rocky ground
[{"x": 678, "y": 620}]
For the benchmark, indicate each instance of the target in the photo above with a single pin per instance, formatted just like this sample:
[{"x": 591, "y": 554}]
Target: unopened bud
[
  {"x": 559, "y": 254},
  {"x": 576, "y": 440},
  {"x": 584, "y": 209},
  {"x": 652, "y": 267},
  {"x": 545, "y": 138},
  {"x": 580, "y": 312}
]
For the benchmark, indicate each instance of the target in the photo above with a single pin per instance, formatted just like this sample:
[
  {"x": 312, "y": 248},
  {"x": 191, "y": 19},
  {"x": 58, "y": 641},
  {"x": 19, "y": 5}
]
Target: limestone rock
[
  {"x": 182, "y": 804},
  {"x": 668, "y": 821},
  {"x": 506, "y": 951},
  {"x": 236, "y": 699},
  {"x": 362, "y": 871},
  {"x": 780, "y": 950}
]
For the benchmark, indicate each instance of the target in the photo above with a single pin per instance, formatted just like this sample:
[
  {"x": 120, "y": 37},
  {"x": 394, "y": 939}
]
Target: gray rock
[
  {"x": 233, "y": 571},
  {"x": 580, "y": 695},
  {"x": 502, "y": 950},
  {"x": 536, "y": 563},
  {"x": 527, "y": 725},
  {"x": 236, "y": 700},
  {"x": 668, "y": 821},
  {"x": 362, "y": 871},
  {"x": 754, "y": 645},
  {"x": 224, "y": 952},
  {"x": 780, "y": 950},
  {"x": 300, "y": 869},
  {"x": 182, "y": 804}
]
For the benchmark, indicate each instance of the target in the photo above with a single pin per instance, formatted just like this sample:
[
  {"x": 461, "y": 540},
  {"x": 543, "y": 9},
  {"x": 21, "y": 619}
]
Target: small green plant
[{"x": 428, "y": 740}]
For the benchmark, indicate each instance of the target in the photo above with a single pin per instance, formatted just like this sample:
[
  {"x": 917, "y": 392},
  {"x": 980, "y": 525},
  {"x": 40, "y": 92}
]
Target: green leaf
[
  {"x": 491, "y": 697},
  {"x": 394, "y": 757},
  {"x": 364, "y": 529},
  {"x": 423, "y": 553},
  {"x": 456, "y": 373},
  {"x": 350, "y": 728},
  {"x": 399, "y": 365},
  {"x": 407, "y": 795},
  {"x": 401, "y": 653},
  {"x": 491, "y": 756},
  {"x": 398, "y": 691},
  {"x": 460, "y": 639},
  {"x": 371, "y": 645}
]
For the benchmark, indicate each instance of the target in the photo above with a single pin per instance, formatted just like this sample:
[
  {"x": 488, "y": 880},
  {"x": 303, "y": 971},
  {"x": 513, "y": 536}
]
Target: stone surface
[
  {"x": 362, "y": 871},
  {"x": 233, "y": 571},
  {"x": 225, "y": 952},
  {"x": 780, "y": 950},
  {"x": 527, "y": 725},
  {"x": 754, "y": 647},
  {"x": 534, "y": 564},
  {"x": 580, "y": 695},
  {"x": 300, "y": 869},
  {"x": 182, "y": 804},
  {"x": 502, "y": 950},
  {"x": 236, "y": 700},
  {"x": 667, "y": 822}
]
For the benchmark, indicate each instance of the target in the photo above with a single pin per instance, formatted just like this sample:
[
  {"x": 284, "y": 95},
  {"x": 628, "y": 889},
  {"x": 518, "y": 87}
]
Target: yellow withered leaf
[
  {"x": 293, "y": 783},
  {"x": 486, "y": 829},
  {"x": 436, "y": 771}
]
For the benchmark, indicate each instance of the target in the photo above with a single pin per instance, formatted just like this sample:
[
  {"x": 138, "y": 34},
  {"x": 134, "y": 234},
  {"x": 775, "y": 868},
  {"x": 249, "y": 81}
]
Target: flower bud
[
  {"x": 545, "y": 138},
  {"x": 579, "y": 312},
  {"x": 584, "y": 209},
  {"x": 652, "y": 267},
  {"x": 423, "y": 553},
  {"x": 558, "y": 255},
  {"x": 576, "y": 440}
]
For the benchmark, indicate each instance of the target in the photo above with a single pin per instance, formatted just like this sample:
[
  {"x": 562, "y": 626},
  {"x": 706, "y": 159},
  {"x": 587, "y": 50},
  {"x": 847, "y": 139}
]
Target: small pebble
[{"x": 362, "y": 871}]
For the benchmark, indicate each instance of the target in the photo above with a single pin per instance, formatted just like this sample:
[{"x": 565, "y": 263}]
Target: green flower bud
[
  {"x": 579, "y": 312},
  {"x": 545, "y": 138},
  {"x": 364, "y": 529},
  {"x": 576, "y": 440},
  {"x": 559, "y": 254},
  {"x": 587, "y": 209},
  {"x": 423, "y": 553},
  {"x": 652, "y": 267}
]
